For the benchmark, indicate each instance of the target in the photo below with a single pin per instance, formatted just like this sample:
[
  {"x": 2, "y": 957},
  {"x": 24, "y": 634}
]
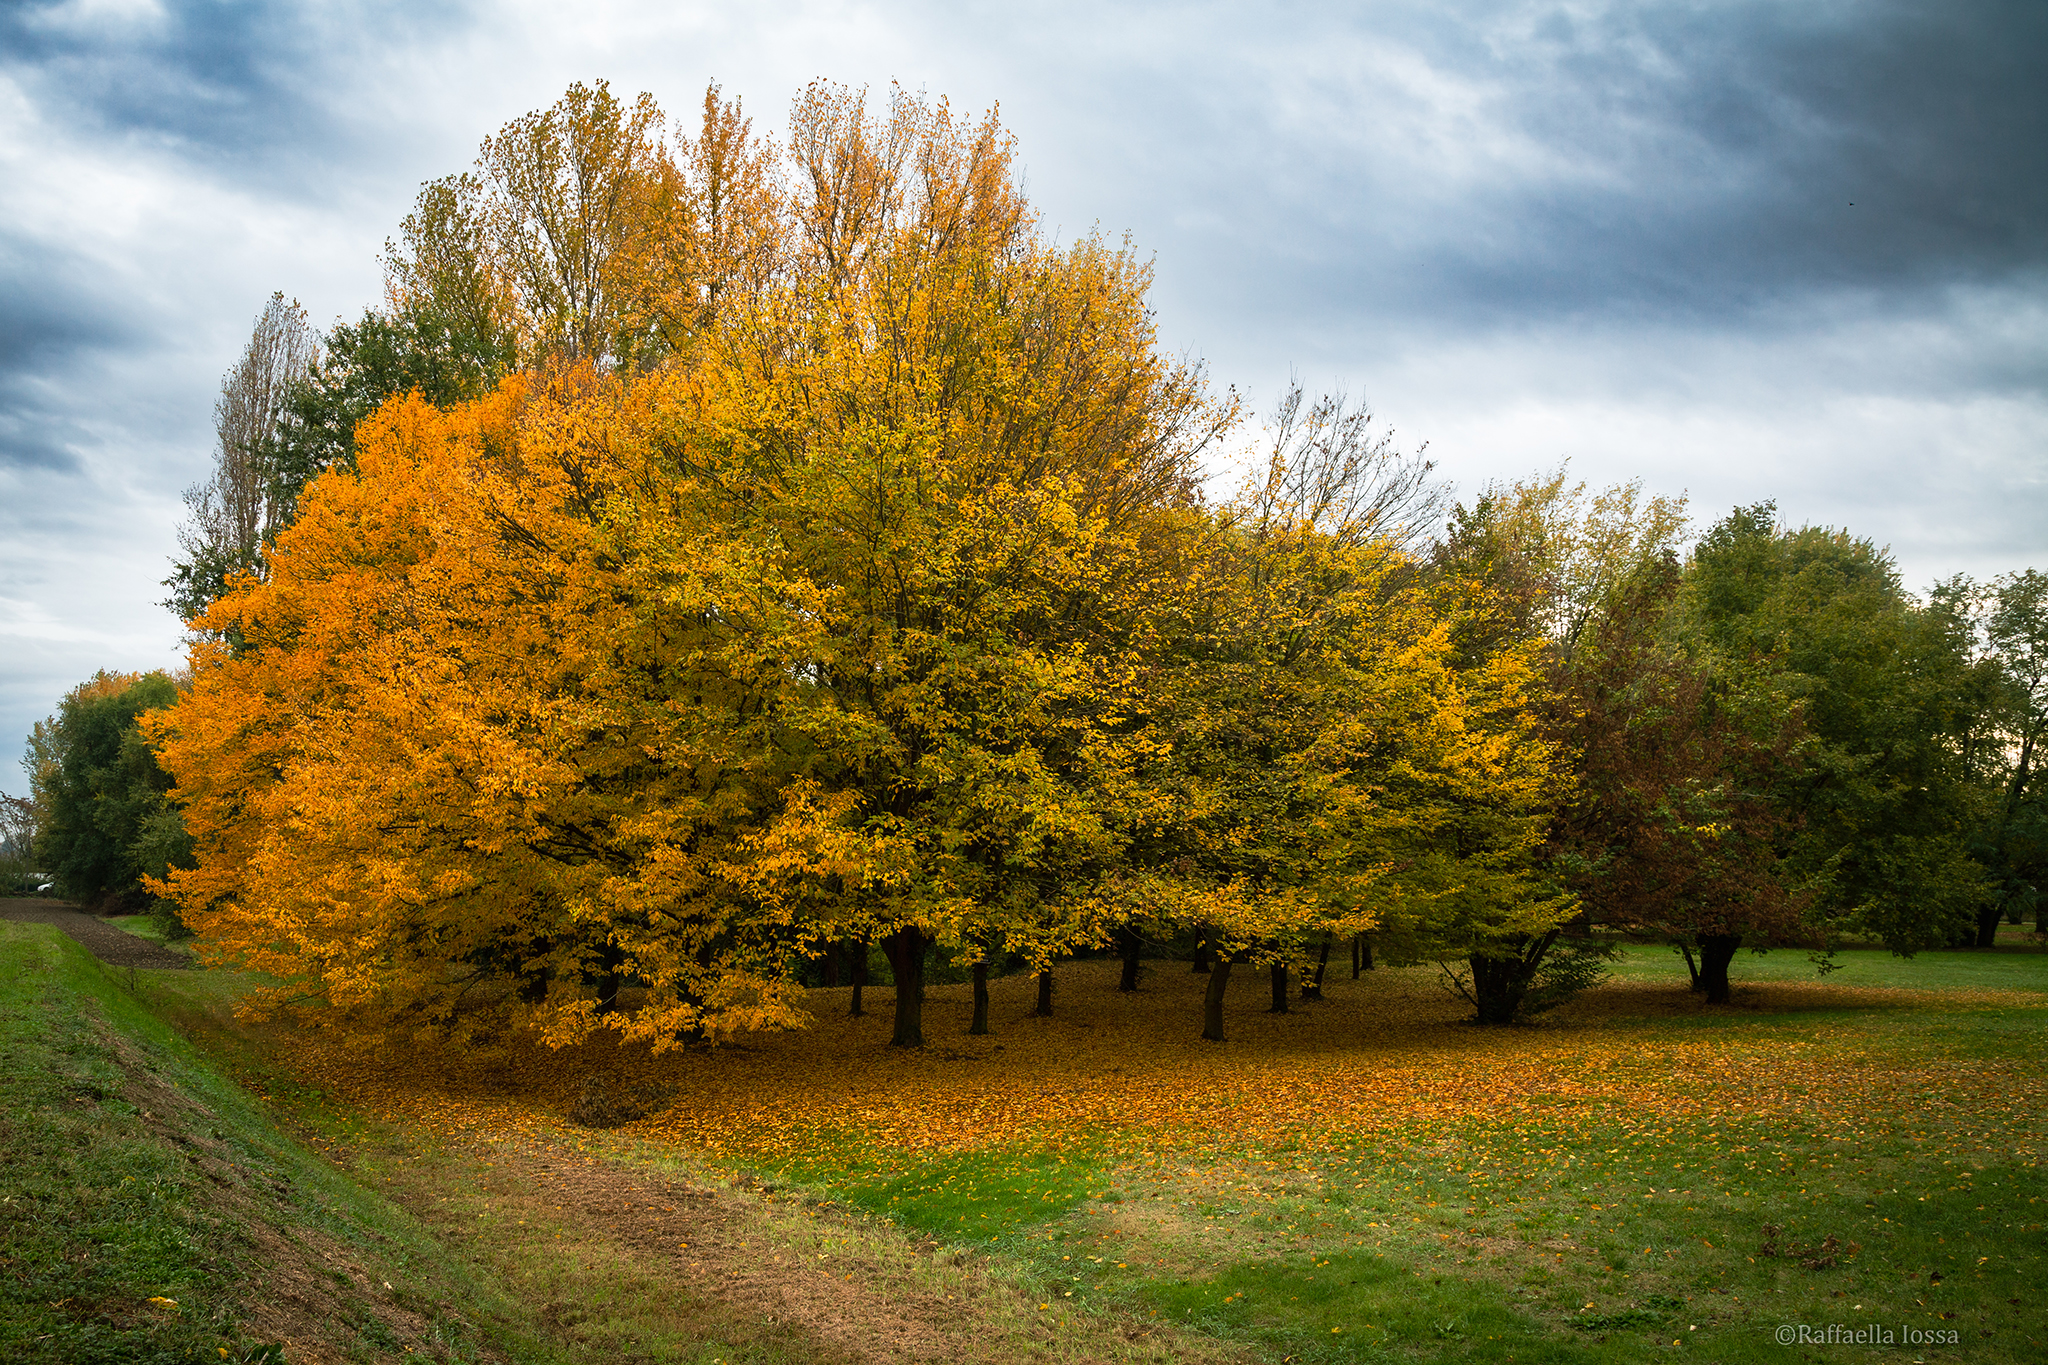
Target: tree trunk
[
  {"x": 906, "y": 948},
  {"x": 1204, "y": 958},
  {"x": 1987, "y": 925},
  {"x": 1279, "y": 1005},
  {"x": 1355, "y": 938},
  {"x": 1365, "y": 951},
  {"x": 980, "y": 1024},
  {"x": 832, "y": 956},
  {"x": 1312, "y": 986},
  {"x": 1498, "y": 985},
  {"x": 614, "y": 977},
  {"x": 1044, "y": 1010},
  {"x": 535, "y": 980},
  {"x": 860, "y": 975},
  {"x": 1716, "y": 952},
  {"x": 1692, "y": 968},
  {"x": 1129, "y": 980},
  {"x": 1212, "y": 1001}
]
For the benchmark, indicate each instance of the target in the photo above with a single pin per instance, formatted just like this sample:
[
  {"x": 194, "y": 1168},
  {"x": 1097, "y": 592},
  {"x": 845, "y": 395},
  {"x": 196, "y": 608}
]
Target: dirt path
[
  {"x": 102, "y": 940},
  {"x": 566, "y": 1228}
]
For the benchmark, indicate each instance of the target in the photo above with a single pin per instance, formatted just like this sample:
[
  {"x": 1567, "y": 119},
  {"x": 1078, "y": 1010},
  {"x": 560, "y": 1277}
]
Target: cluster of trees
[{"x": 719, "y": 555}]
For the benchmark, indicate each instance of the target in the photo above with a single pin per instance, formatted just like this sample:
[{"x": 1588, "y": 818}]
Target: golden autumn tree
[
  {"x": 1334, "y": 745},
  {"x": 585, "y": 232},
  {"x": 829, "y": 629},
  {"x": 969, "y": 441},
  {"x": 1529, "y": 576},
  {"x": 453, "y": 758}
]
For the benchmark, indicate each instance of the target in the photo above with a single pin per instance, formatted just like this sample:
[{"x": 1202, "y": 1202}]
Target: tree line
[{"x": 722, "y": 555}]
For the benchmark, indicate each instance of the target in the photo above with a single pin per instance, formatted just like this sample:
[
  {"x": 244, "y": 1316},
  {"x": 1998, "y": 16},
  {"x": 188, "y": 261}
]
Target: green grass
[
  {"x": 142, "y": 926},
  {"x": 145, "y": 1194},
  {"x": 2007, "y": 968},
  {"x": 1605, "y": 1232},
  {"x": 969, "y": 1198}
]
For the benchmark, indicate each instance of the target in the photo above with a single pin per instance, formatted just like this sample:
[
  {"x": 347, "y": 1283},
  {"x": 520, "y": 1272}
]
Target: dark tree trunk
[
  {"x": 537, "y": 975},
  {"x": 906, "y": 948},
  {"x": 1365, "y": 951},
  {"x": 832, "y": 956},
  {"x": 1692, "y": 967},
  {"x": 860, "y": 974},
  {"x": 1279, "y": 1005},
  {"x": 1498, "y": 985},
  {"x": 1044, "y": 1010},
  {"x": 1716, "y": 952},
  {"x": 694, "y": 1033},
  {"x": 614, "y": 977},
  {"x": 980, "y": 1024},
  {"x": 1129, "y": 980},
  {"x": 1987, "y": 925},
  {"x": 1312, "y": 985},
  {"x": 1212, "y": 1001},
  {"x": 1355, "y": 939}
]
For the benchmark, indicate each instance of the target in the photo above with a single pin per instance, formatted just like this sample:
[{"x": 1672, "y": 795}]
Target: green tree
[
  {"x": 103, "y": 823},
  {"x": 362, "y": 364},
  {"x": 2014, "y": 847},
  {"x": 1886, "y": 790}
]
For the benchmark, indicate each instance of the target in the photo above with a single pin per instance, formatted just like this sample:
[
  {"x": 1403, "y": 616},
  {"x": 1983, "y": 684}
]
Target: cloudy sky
[{"x": 1743, "y": 251}]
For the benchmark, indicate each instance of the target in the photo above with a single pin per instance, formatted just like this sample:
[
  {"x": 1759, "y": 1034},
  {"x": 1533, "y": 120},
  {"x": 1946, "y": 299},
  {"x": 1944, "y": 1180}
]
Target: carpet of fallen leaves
[{"x": 1127, "y": 1075}]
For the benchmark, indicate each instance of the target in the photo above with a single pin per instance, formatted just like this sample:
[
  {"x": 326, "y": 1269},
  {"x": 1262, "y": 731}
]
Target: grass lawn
[
  {"x": 145, "y": 926},
  {"x": 1362, "y": 1178}
]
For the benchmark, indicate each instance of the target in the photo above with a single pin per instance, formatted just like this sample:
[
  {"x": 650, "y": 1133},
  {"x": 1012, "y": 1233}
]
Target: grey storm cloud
[
  {"x": 52, "y": 303},
  {"x": 1704, "y": 159},
  {"x": 243, "y": 89}
]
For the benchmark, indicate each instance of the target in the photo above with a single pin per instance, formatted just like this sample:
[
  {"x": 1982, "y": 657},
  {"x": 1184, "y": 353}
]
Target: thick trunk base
[
  {"x": 906, "y": 949},
  {"x": 1312, "y": 985},
  {"x": 1212, "y": 1002},
  {"x": 1129, "y": 980},
  {"x": 1279, "y": 1005},
  {"x": 1044, "y": 1007},
  {"x": 1497, "y": 989},
  {"x": 1716, "y": 952}
]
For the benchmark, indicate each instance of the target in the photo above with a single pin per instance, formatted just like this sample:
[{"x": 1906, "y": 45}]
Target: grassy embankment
[{"x": 153, "y": 1212}]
